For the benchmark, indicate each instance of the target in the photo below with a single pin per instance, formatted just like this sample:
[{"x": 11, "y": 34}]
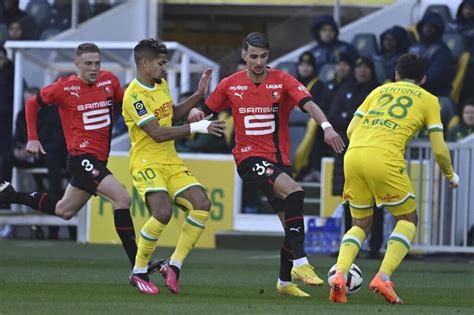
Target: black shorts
[
  {"x": 263, "y": 173},
  {"x": 86, "y": 172}
]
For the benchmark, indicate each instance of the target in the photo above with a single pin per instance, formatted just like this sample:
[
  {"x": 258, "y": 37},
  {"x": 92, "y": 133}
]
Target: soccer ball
[{"x": 354, "y": 278}]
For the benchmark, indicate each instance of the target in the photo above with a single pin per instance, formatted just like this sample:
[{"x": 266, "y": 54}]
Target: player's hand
[
  {"x": 454, "y": 182},
  {"x": 204, "y": 82},
  {"x": 217, "y": 128},
  {"x": 332, "y": 138},
  {"x": 195, "y": 115},
  {"x": 35, "y": 148}
]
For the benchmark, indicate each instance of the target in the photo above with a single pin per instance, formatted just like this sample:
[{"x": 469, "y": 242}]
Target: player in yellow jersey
[
  {"x": 159, "y": 175},
  {"x": 375, "y": 170}
]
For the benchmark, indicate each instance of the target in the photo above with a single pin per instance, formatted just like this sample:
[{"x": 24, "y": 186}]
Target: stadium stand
[{"x": 40, "y": 11}]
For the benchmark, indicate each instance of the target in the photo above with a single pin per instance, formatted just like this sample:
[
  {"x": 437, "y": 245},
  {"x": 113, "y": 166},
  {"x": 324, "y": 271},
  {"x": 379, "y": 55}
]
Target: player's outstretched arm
[
  {"x": 330, "y": 135},
  {"x": 441, "y": 155},
  {"x": 162, "y": 134},
  {"x": 182, "y": 109},
  {"x": 33, "y": 146}
]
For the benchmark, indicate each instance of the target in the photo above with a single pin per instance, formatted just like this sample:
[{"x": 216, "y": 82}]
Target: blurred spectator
[
  {"x": 15, "y": 31},
  {"x": 437, "y": 56},
  {"x": 394, "y": 42},
  {"x": 61, "y": 13},
  {"x": 6, "y": 113},
  {"x": 345, "y": 103},
  {"x": 12, "y": 13},
  {"x": 100, "y": 6},
  {"x": 309, "y": 77},
  {"x": 464, "y": 22},
  {"x": 466, "y": 127},
  {"x": 343, "y": 75},
  {"x": 325, "y": 32}
]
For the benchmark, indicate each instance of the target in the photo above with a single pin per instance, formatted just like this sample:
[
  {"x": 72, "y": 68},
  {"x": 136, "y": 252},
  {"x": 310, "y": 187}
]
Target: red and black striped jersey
[
  {"x": 261, "y": 113},
  {"x": 86, "y": 111}
]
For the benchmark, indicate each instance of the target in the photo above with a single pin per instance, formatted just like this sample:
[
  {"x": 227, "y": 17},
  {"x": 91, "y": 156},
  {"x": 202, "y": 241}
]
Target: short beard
[{"x": 157, "y": 80}]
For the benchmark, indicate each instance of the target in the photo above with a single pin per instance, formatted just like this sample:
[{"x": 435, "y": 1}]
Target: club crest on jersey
[
  {"x": 275, "y": 95},
  {"x": 140, "y": 108},
  {"x": 107, "y": 89}
]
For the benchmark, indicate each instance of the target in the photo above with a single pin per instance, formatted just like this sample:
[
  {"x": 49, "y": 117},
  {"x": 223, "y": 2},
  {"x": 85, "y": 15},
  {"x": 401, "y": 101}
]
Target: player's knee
[
  {"x": 203, "y": 204},
  {"x": 64, "y": 214},
  {"x": 294, "y": 204},
  {"x": 163, "y": 213},
  {"x": 124, "y": 201},
  {"x": 410, "y": 217}
]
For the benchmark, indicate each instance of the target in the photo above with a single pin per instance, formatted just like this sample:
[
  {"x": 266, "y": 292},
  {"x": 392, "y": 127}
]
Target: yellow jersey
[
  {"x": 394, "y": 113},
  {"x": 142, "y": 104}
]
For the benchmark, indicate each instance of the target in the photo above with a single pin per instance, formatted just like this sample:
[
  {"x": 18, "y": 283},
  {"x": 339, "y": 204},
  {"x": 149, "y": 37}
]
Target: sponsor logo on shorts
[
  {"x": 140, "y": 108},
  {"x": 95, "y": 172},
  {"x": 269, "y": 172},
  {"x": 388, "y": 197}
]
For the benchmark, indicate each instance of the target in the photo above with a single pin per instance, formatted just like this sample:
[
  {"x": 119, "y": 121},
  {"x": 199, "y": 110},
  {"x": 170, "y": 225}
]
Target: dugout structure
[{"x": 38, "y": 63}]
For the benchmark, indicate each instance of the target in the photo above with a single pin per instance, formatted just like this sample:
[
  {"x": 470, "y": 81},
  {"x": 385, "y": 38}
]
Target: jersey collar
[{"x": 144, "y": 85}]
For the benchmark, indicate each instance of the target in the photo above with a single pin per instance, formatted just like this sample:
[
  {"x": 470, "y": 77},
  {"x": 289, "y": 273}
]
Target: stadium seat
[
  {"x": 40, "y": 11},
  {"x": 297, "y": 128},
  {"x": 3, "y": 33},
  {"x": 442, "y": 10},
  {"x": 366, "y": 44},
  {"x": 456, "y": 43},
  {"x": 289, "y": 67},
  {"x": 326, "y": 73}
]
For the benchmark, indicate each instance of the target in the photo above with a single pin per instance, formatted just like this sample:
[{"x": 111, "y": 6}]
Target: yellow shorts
[
  {"x": 171, "y": 178},
  {"x": 376, "y": 175}
]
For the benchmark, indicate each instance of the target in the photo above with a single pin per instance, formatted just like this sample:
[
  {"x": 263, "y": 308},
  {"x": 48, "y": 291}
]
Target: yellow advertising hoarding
[{"x": 216, "y": 174}]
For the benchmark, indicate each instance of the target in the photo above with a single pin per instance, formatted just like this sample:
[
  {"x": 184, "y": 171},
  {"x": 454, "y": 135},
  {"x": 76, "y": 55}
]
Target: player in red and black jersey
[
  {"x": 261, "y": 101},
  {"x": 86, "y": 104}
]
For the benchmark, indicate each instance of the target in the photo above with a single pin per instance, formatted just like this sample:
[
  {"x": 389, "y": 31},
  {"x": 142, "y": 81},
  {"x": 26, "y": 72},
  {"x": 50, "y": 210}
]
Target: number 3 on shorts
[{"x": 88, "y": 166}]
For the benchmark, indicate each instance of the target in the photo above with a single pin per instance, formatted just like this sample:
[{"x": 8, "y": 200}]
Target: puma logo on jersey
[
  {"x": 33, "y": 194},
  {"x": 239, "y": 95},
  {"x": 75, "y": 93},
  {"x": 297, "y": 229}
]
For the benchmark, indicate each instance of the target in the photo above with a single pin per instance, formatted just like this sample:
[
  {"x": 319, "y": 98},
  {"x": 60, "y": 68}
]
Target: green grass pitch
[{"x": 68, "y": 278}]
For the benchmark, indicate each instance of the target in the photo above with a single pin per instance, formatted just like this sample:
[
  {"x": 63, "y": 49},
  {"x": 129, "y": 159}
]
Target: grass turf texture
[{"x": 68, "y": 278}]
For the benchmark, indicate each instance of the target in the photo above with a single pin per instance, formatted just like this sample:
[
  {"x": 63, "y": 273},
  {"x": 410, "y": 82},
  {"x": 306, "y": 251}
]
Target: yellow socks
[
  {"x": 191, "y": 231},
  {"x": 398, "y": 245},
  {"x": 149, "y": 235},
  {"x": 350, "y": 246}
]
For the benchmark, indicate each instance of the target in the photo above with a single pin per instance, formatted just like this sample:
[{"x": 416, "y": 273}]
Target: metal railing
[{"x": 446, "y": 216}]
